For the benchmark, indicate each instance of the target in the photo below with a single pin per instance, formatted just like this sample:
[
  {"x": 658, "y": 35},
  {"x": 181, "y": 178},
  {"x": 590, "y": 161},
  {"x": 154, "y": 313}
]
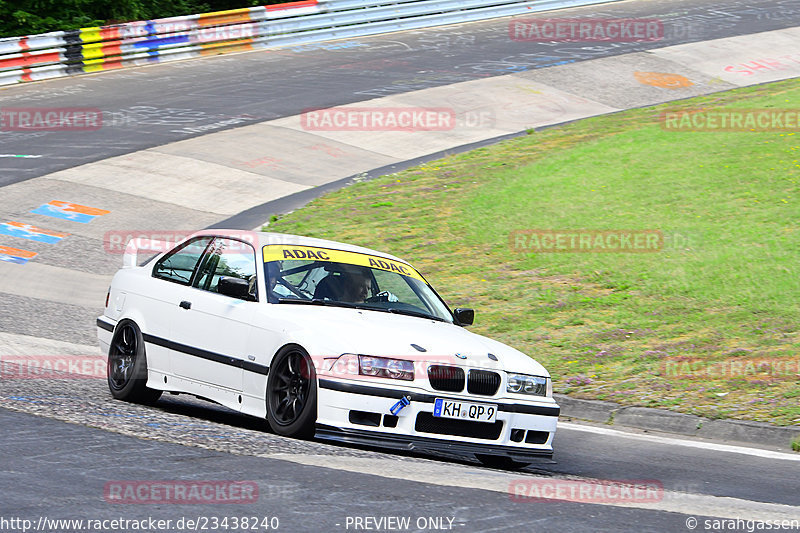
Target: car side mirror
[
  {"x": 234, "y": 287},
  {"x": 464, "y": 316}
]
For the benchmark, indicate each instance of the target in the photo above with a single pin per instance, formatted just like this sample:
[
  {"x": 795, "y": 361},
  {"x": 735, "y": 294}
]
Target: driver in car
[
  {"x": 357, "y": 285},
  {"x": 352, "y": 284}
]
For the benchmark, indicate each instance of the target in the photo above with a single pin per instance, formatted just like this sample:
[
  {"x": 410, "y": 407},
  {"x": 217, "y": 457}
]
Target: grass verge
[{"x": 708, "y": 325}]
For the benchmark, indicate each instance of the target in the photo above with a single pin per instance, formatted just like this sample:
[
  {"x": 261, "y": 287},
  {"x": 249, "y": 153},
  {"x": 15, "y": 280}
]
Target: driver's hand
[{"x": 384, "y": 296}]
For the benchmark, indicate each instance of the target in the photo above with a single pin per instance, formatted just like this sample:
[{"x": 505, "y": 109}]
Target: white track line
[{"x": 766, "y": 454}]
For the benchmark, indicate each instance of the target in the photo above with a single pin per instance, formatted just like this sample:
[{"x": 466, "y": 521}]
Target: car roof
[{"x": 264, "y": 238}]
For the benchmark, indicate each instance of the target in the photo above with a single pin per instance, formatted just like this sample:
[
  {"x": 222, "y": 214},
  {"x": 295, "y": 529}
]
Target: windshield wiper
[
  {"x": 414, "y": 313},
  {"x": 349, "y": 305},
  {"x": 319, "y": 301},
  {"x": 315, "y": 301}
]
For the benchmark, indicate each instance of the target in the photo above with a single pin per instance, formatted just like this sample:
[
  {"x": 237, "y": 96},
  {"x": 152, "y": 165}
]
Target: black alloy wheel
[
  {"x": 292, "y": 393},
  {"x": 127, "y": 365}
]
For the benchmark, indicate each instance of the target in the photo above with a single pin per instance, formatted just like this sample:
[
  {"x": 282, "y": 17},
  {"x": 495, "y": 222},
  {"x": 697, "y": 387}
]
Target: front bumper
[
  {"x": 414, "y": 429},
  {"x": 424, "y": 444}
]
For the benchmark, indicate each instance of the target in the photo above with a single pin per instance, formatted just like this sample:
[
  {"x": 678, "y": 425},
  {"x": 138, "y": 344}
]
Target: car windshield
[{"x": 322, "y": 276}]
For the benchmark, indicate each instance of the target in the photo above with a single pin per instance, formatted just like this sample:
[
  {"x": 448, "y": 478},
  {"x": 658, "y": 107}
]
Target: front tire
[
  {"x": 127, "y": 366},
  {"x": 292, "y": 393}
]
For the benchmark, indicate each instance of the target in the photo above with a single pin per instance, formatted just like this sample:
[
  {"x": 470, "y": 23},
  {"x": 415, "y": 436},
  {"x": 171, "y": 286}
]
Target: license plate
[{"x": 478, "y": 412}]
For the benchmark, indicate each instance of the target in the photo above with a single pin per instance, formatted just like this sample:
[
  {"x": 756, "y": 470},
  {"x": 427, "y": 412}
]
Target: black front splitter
[{"x": 425, "y": 445}]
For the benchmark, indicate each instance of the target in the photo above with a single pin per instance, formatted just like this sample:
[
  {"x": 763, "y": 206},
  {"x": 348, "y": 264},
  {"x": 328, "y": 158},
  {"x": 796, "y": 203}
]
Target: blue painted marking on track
[
  {"x": 27, "y": 233},
  {"x": 32, "y": 399},
  {"x": 56, "y": 212},
  {"x": 13, "y": 259},
  {"x": 557, "y": 63}
]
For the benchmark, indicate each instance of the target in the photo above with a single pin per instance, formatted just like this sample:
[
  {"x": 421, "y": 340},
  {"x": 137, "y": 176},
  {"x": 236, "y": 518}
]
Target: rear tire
[
  {"x": 127, "y": 366},
  {"x": 500, "y": 461},
  {"x": 292, "y": 393}
]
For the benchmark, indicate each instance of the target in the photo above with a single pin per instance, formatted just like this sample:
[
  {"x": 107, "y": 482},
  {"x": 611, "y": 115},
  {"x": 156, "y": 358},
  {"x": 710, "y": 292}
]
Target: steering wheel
[{"x": 381, "y": 297}]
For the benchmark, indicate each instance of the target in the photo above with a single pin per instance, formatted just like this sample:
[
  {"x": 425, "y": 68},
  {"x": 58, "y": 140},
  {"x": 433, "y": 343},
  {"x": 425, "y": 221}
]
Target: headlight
[
  {"x": 524, "y": 384},
  {"x": 381, "y": 367}
]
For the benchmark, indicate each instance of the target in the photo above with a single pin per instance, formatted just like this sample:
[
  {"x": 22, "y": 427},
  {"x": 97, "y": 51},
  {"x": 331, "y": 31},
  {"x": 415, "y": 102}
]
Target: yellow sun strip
[{"x": 277, "y": 252}]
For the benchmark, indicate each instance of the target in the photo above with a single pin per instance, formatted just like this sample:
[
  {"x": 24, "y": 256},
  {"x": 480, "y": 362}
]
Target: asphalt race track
[{"x": 65, "y": 442}]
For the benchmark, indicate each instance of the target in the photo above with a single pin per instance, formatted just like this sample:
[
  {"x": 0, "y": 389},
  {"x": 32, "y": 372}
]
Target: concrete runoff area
[
  {"x": 178, "y": 180},
  {"x": 480, "y": 109},
  {"x": 62, "y": 285},
  {"x": 126, "y": 211},
  {"x": 40, "y": 320},
  {"x": 262, "y": 150},
  {"x": 15, "y": 345},
  {"x": 643, "y": 77},
  {"x": 740, "y": 60}
]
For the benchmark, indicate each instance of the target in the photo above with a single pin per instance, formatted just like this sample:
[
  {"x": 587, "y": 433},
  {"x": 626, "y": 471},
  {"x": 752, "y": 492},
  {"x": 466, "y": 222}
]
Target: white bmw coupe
[{"x": 321, "y": 339}]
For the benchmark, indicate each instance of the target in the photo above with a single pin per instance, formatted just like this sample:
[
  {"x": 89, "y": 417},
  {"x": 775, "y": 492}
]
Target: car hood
[{"x": 332, "y": 331}]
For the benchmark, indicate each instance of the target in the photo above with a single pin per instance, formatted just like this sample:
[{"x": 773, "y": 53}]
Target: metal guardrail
[{"x": 66, "y": 53}]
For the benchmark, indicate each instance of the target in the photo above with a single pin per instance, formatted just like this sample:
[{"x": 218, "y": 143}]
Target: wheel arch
[
  {"x": 136, "y": 317},
  {"x": 295, "y": 344}
]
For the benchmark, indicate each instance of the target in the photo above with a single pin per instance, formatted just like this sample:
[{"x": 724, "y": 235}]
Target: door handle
[{"x": 186, "y": 305}]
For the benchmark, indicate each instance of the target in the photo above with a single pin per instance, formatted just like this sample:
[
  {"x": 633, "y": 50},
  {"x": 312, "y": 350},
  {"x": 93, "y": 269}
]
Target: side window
[
  {"x": 179, "y": 265},
  {"x": 227, "y": 258}
]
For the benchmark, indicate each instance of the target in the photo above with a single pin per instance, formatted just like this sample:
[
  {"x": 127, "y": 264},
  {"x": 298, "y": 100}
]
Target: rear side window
[{"x": 179, "y": 264}]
